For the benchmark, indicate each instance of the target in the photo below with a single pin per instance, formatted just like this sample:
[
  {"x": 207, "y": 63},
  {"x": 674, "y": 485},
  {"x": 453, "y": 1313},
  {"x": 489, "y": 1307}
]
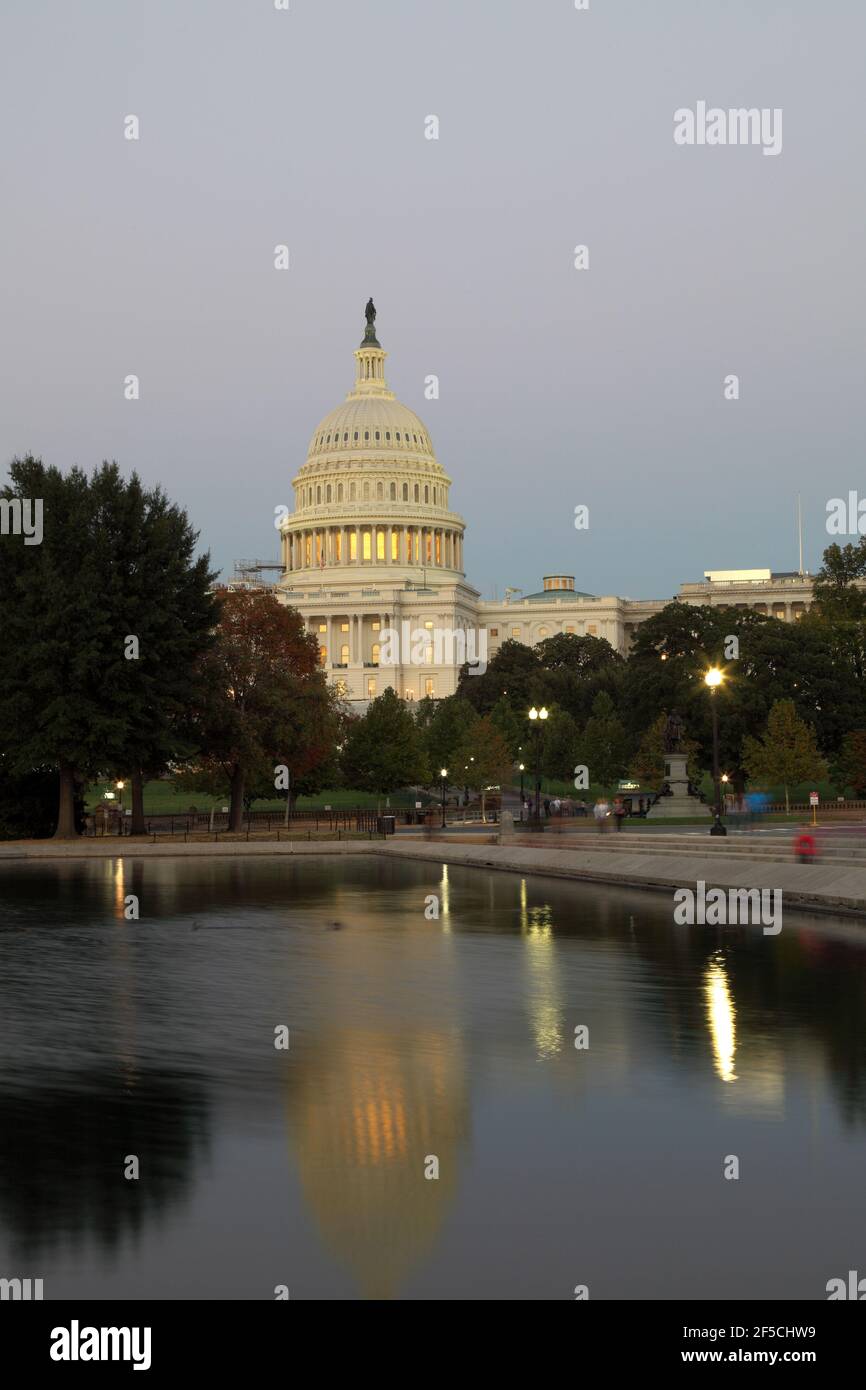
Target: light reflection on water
[{"x": 411, "y": 1039}]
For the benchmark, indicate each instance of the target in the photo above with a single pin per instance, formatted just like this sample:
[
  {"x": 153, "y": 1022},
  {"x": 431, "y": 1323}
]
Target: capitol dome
[{"x": 371, "y": 491}]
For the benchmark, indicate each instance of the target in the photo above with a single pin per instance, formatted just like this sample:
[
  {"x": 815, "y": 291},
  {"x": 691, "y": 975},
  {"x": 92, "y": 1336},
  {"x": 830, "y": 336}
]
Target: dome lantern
[{"x": 370, "y": 363}]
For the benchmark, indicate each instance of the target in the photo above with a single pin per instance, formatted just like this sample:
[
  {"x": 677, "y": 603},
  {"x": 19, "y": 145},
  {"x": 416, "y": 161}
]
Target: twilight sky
[{"x": 558, "y": 387}]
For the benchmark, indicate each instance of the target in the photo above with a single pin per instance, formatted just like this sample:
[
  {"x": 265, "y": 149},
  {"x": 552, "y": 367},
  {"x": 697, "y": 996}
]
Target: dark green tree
[
  {"x": 100, "y": 628},
  {"x": 559, "y": 751},
  {"x": 384, "y": 749},
  {"x": 604, "y": 746}
]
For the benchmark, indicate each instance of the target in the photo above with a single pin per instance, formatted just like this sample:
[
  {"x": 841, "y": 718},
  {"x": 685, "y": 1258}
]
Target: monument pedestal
[{"x": 680, "y": 802}]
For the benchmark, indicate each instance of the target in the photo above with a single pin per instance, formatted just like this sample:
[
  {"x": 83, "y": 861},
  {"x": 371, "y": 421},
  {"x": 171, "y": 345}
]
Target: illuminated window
[
  {"x": 318, "y": 547},
  {"x": 308, "y": 550},
  {"x": 515, "y": 632},
  {"x": 380, "y": 543},
  {"x": 395, "y": 546},
  {"x": 344, "y": 627},
  {"x": 429, "y": 627},
  {"x": 367, "y": 545},
  {"x": 323, "y": 656},
  {"x": 409, "y": 695},
  {"x": 376, "y": 625},
  {"x": 428, "y": 686},
  {"x": 338, "y": 546},
  {"x": 542, "y": 632},
  {"x": 344, "y": 654},
  {"x": 428, "y": 550},
  {"x": 353, "y": 545},
  {"x": 371, "y": 687},
  {"x": 376, "y": 650},
  {"x": 323, "y": 627},
  {"x": 570, "y": 629},
  {"x": 592, "y": 629},
  {"x": 438, "y": 548}
]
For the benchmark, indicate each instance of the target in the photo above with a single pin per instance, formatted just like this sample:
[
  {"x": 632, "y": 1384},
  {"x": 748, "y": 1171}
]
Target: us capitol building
[{"x": 373, "y": 546}]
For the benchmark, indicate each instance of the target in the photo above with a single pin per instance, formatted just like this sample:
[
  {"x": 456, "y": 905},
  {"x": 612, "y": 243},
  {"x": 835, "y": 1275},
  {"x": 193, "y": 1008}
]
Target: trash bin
[{"x": 385, "y": 824}]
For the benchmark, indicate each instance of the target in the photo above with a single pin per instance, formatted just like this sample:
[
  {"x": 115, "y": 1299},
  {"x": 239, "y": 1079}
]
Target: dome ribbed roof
[{"x": 398, "y": 428}]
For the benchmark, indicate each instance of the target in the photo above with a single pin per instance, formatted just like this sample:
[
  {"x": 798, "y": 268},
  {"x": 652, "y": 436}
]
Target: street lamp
[
  {"x": 443, "y": 773},
  {"x": 522, "y": 770},
  {"x": 713, "y": 680},
  {"x": 120, "y": 786},
  {"x": 537, "y": 716}
]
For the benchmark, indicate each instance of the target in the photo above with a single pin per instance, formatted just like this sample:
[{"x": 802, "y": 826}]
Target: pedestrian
[
  {"x": 619, "y": 812},
  {"x": 601, "y": 811},
  {"x": 547, "y": 805},
  {"x": 557, "y": 806}
]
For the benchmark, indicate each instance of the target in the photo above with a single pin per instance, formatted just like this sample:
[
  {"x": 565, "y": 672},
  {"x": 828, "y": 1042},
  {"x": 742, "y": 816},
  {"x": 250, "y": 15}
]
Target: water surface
[{"x": 414, "y": 1038}]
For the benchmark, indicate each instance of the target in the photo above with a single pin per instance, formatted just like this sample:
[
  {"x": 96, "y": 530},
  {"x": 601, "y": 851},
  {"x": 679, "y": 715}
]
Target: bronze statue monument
[
  {"x": 370, "y": 338},
  {"x": 673, "y": 733}
]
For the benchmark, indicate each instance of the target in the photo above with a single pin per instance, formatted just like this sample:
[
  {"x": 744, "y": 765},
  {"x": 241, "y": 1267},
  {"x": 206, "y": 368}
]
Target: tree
[
  {"x": 510, "y": 672},
  {"x": 28, "y": 803},
  {"x": 838, "y": 589},
  {"x": 849, "y": 770},
  {"x": 266, "y": 704},
  {"x": 786, "y": 753},
  {"x": 559, "y": 750},
  {"x": 100, "y": 627},
  {"x": 486, "y": 758},
  {"x": 443, "y": 729},
  {"x": 384, "y": 749},
  {"x": 509, "y": 725},
  {"x": 604, "y": 744}
]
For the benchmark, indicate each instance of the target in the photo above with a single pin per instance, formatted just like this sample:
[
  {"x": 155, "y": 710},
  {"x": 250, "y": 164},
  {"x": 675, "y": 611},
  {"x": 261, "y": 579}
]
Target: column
[
  {"x": 357, "y": 545},
  {"x": 328, "y": 641}
]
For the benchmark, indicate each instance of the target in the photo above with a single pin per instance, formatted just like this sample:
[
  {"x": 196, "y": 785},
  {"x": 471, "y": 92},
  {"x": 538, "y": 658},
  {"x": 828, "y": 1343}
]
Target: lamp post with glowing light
[
  {"x": 713, "y": 680},
  {"x": 522, "y": 770},
  {"x": 538, "y": 717},
  {"x": 443, "y": 773}
]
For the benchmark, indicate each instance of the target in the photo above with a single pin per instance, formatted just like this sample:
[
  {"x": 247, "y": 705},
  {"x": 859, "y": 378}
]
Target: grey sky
[{"x": 558, "y": 387}]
